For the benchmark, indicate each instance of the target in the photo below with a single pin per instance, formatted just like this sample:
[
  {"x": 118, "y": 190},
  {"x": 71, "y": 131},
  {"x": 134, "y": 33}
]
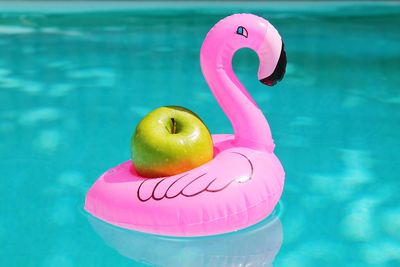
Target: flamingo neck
[{"x": 250, "y": 126}]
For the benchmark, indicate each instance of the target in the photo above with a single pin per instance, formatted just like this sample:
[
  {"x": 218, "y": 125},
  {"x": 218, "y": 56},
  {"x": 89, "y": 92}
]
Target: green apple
[{"x": 170, "y": 140}]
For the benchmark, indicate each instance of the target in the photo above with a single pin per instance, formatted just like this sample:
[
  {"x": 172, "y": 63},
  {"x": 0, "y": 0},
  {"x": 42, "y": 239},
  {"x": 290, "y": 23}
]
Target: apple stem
[{"x": 173, "y": 130}]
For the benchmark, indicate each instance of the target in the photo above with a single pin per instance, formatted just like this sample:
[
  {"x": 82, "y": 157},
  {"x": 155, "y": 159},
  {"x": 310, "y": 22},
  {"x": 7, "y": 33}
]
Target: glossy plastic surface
[{"x": 244, "y": 181}]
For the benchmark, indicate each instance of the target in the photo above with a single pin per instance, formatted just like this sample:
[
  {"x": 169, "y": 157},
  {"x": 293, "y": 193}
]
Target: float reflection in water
[{"x": 257, "y": 245}]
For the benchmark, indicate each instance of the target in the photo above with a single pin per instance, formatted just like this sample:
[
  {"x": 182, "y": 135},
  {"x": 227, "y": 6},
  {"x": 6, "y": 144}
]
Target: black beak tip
[
  {"x": 279, "y": 71},
  {"x": 268, "y": 81}
]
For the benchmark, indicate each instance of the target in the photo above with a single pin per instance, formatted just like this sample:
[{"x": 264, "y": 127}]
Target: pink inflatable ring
[{"x": 244, "y": 181}]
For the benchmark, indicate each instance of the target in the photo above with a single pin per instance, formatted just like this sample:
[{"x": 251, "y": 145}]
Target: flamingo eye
[{"x": 242, "y": 31}]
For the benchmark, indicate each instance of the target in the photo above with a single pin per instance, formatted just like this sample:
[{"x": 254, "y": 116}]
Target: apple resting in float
[{"x": 170, "y": 140}]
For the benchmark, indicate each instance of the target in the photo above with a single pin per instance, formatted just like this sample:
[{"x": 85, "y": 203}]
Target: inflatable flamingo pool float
[{"x": 243, "y": 182}]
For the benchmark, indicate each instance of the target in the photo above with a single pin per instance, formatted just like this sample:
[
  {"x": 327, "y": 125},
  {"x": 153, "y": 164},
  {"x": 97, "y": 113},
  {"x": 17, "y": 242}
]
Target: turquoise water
[{"x": 73, "y": 86}]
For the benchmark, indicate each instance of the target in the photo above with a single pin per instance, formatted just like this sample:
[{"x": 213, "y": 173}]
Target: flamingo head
[{"x": 254, "y": 32}]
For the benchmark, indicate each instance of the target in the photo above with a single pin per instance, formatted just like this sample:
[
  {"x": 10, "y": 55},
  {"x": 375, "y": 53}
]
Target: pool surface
[{"x": 75, "y": 81}]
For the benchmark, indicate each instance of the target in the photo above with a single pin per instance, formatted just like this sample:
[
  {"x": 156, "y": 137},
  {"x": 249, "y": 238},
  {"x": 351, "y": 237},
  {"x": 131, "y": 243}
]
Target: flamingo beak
[{"x": 279, "y": 71}]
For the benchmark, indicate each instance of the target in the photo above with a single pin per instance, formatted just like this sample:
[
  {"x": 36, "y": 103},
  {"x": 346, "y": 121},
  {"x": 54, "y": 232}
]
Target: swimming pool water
[{"x": 74, "y": 83}]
